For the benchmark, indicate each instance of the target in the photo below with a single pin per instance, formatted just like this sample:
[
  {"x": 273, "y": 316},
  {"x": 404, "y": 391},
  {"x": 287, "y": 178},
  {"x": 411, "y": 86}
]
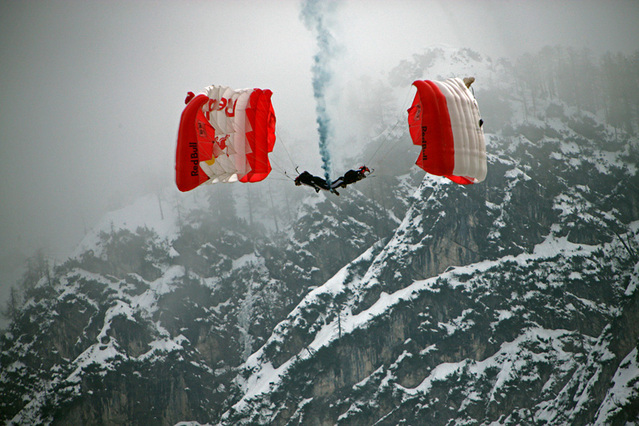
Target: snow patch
[{"x": 624, "y": 389}]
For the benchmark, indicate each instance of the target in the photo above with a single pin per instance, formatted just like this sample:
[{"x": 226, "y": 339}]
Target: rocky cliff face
[
  {"x": 506, "y": 303},
  {"x": 408, "y": 299}
]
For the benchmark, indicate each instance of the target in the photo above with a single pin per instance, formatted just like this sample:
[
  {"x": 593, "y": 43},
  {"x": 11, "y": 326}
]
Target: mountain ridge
[{"x": 408, "y": 299}]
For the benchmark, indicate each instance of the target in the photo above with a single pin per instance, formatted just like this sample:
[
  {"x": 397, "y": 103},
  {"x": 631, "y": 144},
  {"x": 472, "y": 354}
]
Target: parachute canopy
[
  {"x": 444, "y": 119},
  {"x": 225, "y": 135}
]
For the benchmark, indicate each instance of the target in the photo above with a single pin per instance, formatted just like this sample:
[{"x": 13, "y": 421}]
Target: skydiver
[
  {"x": 350, "y": 177},
  {"x": 314, "y": 182}
]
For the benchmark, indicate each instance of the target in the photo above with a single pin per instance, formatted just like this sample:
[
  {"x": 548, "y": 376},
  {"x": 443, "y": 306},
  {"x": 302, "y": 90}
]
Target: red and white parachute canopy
[
  {"x": 444, "y": 119},
  {"x": 225, "y": 135}
]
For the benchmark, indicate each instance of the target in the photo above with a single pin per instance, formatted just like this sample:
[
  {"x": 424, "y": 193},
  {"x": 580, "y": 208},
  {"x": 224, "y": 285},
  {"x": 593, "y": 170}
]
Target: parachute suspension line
[
  {"x": 402, "y": 116},
  {"x": 284, "y": 178},
  {"x": 385, "y": 142},
  {"x": 277, "y": 166},
  {"x": 279, "y": 169},
  {"x": 293, "y": 164}
]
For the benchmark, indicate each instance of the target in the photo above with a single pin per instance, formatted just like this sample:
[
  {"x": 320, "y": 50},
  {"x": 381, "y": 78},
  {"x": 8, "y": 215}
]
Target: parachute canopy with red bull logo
[
  {"x": 225, "y": 135},
  {"x": 444, "y": 120}
]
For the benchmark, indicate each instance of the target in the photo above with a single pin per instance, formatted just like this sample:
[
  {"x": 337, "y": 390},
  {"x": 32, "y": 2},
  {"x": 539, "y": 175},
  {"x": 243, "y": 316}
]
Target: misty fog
[{"x": 92, "y": 91}]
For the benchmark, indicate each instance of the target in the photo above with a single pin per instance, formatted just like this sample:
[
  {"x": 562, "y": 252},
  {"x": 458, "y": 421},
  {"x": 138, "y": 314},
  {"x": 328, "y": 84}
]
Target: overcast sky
[{"x": 91, "y": 91}]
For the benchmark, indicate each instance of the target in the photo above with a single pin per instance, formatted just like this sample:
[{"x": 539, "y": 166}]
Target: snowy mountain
[{"x": 407, "y": 300}]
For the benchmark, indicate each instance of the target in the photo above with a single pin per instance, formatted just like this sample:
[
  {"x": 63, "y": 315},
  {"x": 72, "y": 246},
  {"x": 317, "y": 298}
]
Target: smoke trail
[{"x": 318, "y": 17}]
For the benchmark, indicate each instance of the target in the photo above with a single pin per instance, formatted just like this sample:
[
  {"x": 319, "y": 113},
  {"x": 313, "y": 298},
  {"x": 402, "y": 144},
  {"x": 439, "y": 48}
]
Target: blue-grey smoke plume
[{"x": 318, "y": 17}]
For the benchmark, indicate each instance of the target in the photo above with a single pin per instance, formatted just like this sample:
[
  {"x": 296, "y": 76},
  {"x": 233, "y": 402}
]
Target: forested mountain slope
[{"x": 408, "y": 299}]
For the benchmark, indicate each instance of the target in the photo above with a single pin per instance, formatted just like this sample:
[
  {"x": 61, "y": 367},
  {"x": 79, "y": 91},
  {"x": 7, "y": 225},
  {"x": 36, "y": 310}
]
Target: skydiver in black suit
[
  {"x": 314, "y": 182},
  {"x": 350, "y": 177}
]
